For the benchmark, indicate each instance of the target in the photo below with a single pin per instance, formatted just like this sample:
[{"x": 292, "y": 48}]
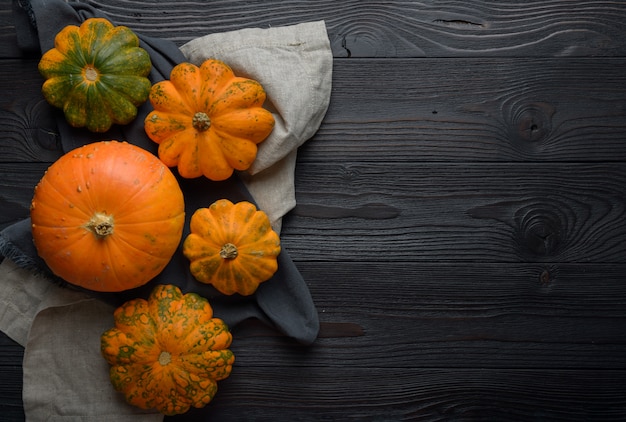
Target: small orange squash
[
  {"x": 232, "y": 247},
  {"x": 168, "y": 352},
  {"x": 207, "y": 121},
  {"x": 107, "y": 216}
]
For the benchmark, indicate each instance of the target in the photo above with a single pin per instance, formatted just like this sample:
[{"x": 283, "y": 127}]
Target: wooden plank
[
  {"x": 272, "y": 386},
  {"x": 477, "y": 315},
  {"x": 505, "y": 213},
  {"x": 375, "y": 394},
  {"x": 17, "y": 182},
  {"x": 498, "y": 212},
  {"x": 434, "y": 338},
  {"x": 387, "y": 29},
  {"x": 535, "y": 336},
  {"x": 330, "y": 380},
  {"x": 467, "y": 315},
  {"x": 11, "y": 354},
  {"x": 8, "y": 39},
  {"x": 29, "y": 131},
  {"x": 486, "y": 110},
  {"x": 400, "y": 28},
  {"x": 428, "y": 316},
  {"x": 497, "y": 316},
  {"x": 474, "y": 110}
]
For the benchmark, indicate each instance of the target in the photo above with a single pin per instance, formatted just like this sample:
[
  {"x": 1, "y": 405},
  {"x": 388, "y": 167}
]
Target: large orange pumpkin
[{"x": 107, "y": 216}]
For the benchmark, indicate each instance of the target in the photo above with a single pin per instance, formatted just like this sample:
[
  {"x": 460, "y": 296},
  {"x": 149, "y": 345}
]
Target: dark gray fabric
[{"x": 283, "y": 302}]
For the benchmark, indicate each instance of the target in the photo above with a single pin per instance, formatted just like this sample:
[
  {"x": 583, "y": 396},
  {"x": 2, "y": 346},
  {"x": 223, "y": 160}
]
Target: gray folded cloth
[{"x": 65, "y": 377}]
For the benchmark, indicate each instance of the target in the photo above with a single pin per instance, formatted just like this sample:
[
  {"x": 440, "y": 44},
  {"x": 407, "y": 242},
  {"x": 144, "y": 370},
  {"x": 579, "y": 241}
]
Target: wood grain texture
[
  {"x": 400, "y": 394},
  {"x": 497, "y": 328},
  {"x": 387, "y": 29},
  {"x": 29, "y": 131},
  {"x": 498, "y": 317},
  {"x": 478, "y": 315},
  {"x": 399, "y": 28},
  {"x": 8, "y": 39},
  {"x": 11, "y": 353},
  {"x": 487, "y": 110},
  {"x": 17, "y": 182},
  {"x": 460, "y": 215},
  {"x": 499, "y": 110},
  {"x": 424, "y": 212},
  {"x": 458, "y": 212}
]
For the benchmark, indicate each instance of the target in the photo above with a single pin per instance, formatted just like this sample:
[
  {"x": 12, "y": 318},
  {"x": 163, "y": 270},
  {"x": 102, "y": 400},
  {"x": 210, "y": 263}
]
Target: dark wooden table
[{"x": 461, "y": 216}]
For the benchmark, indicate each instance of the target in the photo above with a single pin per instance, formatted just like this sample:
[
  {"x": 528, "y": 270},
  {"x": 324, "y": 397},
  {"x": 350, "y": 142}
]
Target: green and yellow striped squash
[{"x": 97, "y": 74}]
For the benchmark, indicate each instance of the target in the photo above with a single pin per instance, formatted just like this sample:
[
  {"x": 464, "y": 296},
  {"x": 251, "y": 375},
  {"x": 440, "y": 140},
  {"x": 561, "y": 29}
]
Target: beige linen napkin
[
  {"x": 65, "y": 378},
  {"x": 294, "y": 65}
]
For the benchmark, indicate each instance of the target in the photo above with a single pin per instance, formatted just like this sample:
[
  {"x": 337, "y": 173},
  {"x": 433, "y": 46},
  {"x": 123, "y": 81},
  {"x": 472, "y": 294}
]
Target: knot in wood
[
  {"x": 533, "y": 122},
  {"x": 201, "y": 121},
  {"x": 548, "y": 275},
  {"x": 540, "y": 229}
]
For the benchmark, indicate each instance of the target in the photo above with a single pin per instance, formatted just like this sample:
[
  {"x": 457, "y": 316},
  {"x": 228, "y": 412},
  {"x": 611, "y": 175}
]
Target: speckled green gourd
[
  {"x": 97, "y": 74},
  {"x": 168, "y": 352}
]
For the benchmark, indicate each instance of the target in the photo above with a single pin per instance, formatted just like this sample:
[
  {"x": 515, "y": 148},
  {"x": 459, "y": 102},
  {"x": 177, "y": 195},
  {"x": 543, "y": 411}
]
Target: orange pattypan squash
[
  {"x": 107, "y": 216},
  {"x": 232, "y": 247},
  {"x": 207, "y": 121},
  {"x": 168, "y": 352}
]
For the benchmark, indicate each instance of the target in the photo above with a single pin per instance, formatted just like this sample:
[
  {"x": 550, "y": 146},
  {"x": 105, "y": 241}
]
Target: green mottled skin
[
  {"x": 97, "y": 74},
  {"x": 167, "y": 353}
]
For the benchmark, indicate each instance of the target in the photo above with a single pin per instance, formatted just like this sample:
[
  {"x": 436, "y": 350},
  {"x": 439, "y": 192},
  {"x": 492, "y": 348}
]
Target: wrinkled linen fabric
[
  {"x": 308, "y": 73},
  {"x": 65, "y": 377}
]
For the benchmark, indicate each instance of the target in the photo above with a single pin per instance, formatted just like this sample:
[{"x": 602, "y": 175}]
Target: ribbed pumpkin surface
[
  {"x": 232, "y": 247},
  {"x": 168, "y": 352},
  {"x": 107, "y": 216},
  {"x": 97, "y": 74},
  {"x": 207, "y": 121}
]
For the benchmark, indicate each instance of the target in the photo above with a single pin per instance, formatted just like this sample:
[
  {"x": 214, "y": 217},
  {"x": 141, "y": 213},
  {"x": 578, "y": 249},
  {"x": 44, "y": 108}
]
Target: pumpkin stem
[
  {"x": 201, "y": 121},
  {"x": 101, "y": 225},
  {"x": 91, "y": 74},
  {"x": 228, "y": 251},
  {"x": 165, "y": 358}
]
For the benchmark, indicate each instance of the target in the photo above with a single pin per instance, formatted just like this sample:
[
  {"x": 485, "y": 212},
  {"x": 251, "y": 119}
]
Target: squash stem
[
  {"x": 201, "y": 121},
  {"x": 165, "y": 358},
  {"x": 101, "y": 225},
  {"x": 91, "y": 74},
  {"x": 228, "y": 251}
]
